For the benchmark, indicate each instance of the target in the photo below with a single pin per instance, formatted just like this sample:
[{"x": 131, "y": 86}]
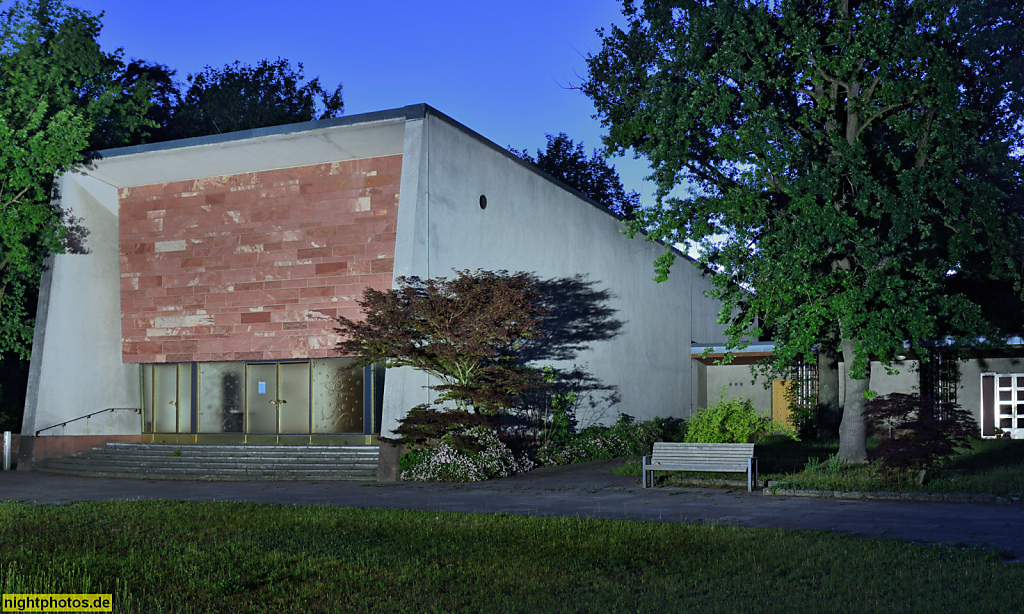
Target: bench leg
[{"x": 751, "y": 474}]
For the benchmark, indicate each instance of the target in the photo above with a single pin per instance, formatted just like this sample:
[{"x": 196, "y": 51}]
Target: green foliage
[
  {"x": 59, "y": 95},
  {"x": 732, "y": 421},
  {"x": 424, "y": 426},
  {"x": 560, "y": 424},
  {"x": 832, "y": 465},
  {"x": 983, "y": 466},
  {"x": 51, "y": 64},
  {"x": 626, "y": 437},
  {"x": 412, "y": 458},
  {"x": 593, "y": 176},
  {"x": 243, "y": 97},
  {"x": 559, "y": 420},
  {"x": 640, "y": 436},
  {"x": 838, "y": 164},
  {"x": 594, "y": 443},
  {"x": 834, "y": 474},
  {"x": 630, "y": 468}
]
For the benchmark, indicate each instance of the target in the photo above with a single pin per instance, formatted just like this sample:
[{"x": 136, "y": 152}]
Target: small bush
[
  {"x": 833, "y": 465},
  {"x": 928, "y": 433},
  {"x": 732, "y": 421},
  {"x": 640, "y": 436},
  {"x": 626, "y": 437},
  {"x": 426, "y": 427},
  {"x": 445, "y": 463}
]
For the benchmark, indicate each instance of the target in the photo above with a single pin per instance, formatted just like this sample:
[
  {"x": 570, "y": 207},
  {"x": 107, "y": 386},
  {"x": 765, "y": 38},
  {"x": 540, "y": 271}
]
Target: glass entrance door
[
  {"x": 167, "y": 398},
  {"x": 261, "y": 398},
  {"x": 293, "y": 389},
  {"x": 277, "y": 398},
  {"x": 261, "y": 402}
]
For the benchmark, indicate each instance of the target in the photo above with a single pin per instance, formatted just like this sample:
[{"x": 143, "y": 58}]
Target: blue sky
[{"x": 505, "y": 70}]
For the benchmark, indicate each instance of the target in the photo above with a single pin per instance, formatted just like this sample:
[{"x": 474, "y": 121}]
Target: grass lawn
[
  {"x": 229, "y": 557},
  {"x": 989, "y": 466}
]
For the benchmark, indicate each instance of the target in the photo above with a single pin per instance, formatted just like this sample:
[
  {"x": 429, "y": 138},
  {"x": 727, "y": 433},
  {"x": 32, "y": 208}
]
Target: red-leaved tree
[{"x": 468, "y": 332}]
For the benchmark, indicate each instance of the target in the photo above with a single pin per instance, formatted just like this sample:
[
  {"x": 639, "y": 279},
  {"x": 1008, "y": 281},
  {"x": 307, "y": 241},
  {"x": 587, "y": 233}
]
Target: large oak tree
[{"x": 842, "y": 165}]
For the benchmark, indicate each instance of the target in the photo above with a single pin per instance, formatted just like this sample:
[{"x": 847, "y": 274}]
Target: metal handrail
[{"x": 87, "y": 416}]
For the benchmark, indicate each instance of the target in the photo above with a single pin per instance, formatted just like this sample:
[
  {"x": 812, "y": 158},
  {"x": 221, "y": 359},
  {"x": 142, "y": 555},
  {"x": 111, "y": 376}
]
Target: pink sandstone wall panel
[{"x": 254, "y": 266}]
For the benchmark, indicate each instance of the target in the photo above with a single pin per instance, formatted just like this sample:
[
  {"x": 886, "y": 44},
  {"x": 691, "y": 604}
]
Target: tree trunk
[
  {"x": 853, "y": 432},
  {"x": 829, "y": 410}
]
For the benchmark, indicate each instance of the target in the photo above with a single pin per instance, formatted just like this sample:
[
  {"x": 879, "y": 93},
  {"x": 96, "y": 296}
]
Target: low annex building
[
  {"x": 203, "y": 306},
  {"x": 989, "y": 382}
]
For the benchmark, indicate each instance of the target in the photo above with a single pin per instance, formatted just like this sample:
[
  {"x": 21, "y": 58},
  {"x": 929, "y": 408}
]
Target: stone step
[
  {"x": 212, "y": 454},
  {"x": 85, "y": 463},
  {"x": 234, "y": 450},
  {"x": 207, "y": 476},
  {"x": 218, "y": 470},
  {"x": 220, "y": 462}
]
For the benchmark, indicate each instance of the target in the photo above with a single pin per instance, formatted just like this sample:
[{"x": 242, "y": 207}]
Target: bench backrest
[{"x": 735, "y": 454}]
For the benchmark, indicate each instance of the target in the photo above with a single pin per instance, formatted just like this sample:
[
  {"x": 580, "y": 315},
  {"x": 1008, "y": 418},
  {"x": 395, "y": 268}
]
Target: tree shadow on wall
[{"x": 578, "y": 316}]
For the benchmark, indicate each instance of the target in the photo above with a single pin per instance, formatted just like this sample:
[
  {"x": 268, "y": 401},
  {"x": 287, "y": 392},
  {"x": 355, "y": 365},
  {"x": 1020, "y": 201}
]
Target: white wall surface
[
  {"x": 738, "y": 382},
  {"x": 76, "y": 364},
  {"x": 532, "y": 224}
]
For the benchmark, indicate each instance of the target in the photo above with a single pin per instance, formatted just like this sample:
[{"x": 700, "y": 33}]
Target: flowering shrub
[
  {"x": 450, "y": 450},
  {"x": 444, "y": 463},
  {"x": 591, "y": 444}
]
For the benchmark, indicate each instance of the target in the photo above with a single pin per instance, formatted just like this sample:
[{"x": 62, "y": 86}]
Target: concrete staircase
[{"x": 219, "y": 462}]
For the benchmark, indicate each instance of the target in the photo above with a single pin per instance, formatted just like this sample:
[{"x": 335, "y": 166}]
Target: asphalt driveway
[{"x": 585, "y": 490}]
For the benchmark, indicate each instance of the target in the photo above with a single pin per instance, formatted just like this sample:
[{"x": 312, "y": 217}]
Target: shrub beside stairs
[{"x": 219, "y": 462}]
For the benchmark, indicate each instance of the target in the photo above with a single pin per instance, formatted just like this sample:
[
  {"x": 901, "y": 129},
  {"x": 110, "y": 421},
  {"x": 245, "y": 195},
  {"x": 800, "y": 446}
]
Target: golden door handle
[{"x": 172, "y": 402}]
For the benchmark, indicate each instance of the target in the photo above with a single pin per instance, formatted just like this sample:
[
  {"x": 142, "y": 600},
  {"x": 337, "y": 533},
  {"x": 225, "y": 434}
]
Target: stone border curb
[{"x": 894, "y": 496}]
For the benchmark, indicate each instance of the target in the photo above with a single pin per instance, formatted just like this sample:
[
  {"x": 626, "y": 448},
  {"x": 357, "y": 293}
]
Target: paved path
[{"x": 586, "y": 490}]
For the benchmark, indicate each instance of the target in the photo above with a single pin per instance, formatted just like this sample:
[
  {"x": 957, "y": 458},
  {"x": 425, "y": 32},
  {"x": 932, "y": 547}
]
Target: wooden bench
[{"x": 723, "y": 457}]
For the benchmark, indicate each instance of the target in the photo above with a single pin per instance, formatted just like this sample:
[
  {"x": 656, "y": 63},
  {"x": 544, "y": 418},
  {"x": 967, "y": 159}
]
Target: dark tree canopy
[
  {"x": 593, "y": 176},
  {"x": 50, "y": 55},
  {"x": 468, "y": 332},
  {"x": 164, "y": 96},
  {"x": 60, "y": 95},
  {"x": 243, "y": 97},
  {"x": 842, "y": 165}
]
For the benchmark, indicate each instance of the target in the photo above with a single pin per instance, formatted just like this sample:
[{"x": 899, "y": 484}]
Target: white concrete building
[{"x": 217, "y": 265}]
